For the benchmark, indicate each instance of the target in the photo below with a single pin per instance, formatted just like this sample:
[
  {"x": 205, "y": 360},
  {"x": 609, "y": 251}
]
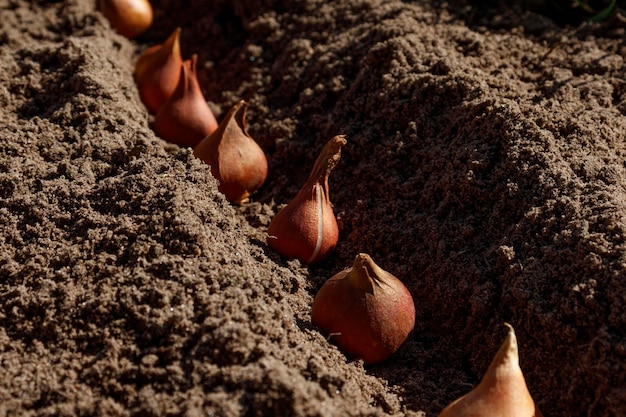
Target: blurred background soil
[{"x": 484, "y": 168}]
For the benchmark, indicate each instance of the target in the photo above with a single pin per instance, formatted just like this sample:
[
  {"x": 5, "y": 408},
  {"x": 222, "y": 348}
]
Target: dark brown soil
[{"x": 484, "y": 168}]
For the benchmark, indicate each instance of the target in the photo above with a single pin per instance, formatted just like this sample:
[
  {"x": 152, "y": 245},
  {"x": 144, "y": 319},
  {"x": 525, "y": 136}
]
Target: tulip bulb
[
  {"x": 185, "y": 118},
  {"x": 306, "y": 228},
  {"x": 237, "y": 161},
  {"x": 367, "y": 311},
  {"x": 157, "y": 72},
  {"x": 129, "y": 18},
  {"x": 501, "y": 392}
]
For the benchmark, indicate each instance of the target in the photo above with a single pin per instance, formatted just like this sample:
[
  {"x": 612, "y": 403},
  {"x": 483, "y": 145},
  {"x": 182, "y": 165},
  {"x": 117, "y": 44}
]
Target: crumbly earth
[{"x": 484, "y": 168}]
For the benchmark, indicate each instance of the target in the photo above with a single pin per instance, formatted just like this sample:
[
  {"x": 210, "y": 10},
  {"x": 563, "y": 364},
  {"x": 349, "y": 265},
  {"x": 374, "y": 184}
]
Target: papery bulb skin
[
  {"x": 306, "y": 228},
  {"x": 237, "y": 161},
  {"x": 129, "y": 18},
  {"x": 185, "y": 118},
  {"x": 366, "y": 311},
  {"x": 502, "y": 390},
  {"x": 157, "y": 72}
]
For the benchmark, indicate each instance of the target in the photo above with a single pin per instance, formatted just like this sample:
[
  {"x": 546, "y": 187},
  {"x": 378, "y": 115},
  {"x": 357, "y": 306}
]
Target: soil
[{"x": 484, "y": 168}]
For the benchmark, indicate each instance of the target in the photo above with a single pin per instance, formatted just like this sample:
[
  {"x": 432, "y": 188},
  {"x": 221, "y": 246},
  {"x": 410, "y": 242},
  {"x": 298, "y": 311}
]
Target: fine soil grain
[{"x": 484, "y": 168}]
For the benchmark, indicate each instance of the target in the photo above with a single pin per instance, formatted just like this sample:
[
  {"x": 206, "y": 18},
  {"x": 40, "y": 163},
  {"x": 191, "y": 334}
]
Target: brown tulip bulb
[
  {"x": 157, "y": 72},
  {"x": 129, "y": 18},
  {"x": 501, "y": 392},
  {"x": 306, "y": 228},
  {"x": 366, "y": 311},
  {"x": 237, "y": 161},
  {"x": 185, "y": 118}
]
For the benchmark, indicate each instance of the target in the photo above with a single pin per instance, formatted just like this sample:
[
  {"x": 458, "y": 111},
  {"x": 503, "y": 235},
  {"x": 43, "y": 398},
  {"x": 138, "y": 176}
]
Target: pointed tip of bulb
[
  {"x": 333, "y": 147},
  {"x": 362, "y": 258},
  {"x": 501, "y": 391},
  {"x": 327, "y": 159},
  {"x": 174, "y": 38},
  {"x": 509, "y": 351},
  {"x": 238, "y": 112},
  {"x": 363, "y": 272}
]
